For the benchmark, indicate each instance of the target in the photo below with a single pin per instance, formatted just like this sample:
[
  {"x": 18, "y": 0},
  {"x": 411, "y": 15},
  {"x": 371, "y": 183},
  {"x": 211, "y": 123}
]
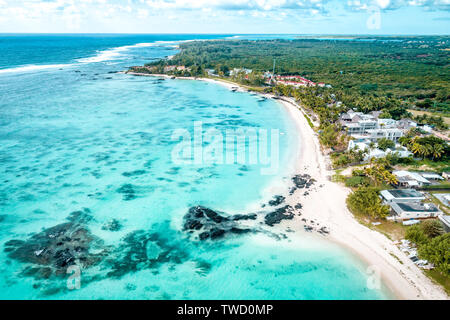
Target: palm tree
[
  {"x": 404, "y": 141},
  {"x": 416, "y": 148},
  {"x": 438, "y": 151}
]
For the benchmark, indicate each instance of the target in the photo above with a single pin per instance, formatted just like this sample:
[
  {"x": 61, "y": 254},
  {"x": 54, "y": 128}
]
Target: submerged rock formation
[
  {"x": 275, "y": 217},
  {"x": 53, "y": 250},
  {"x": 212, "y": 225},
  {"x": 277, "y": 201},
  {"x": 142, "y": 250},
  {"x": 112, "y": 225},
  {"x": 301, "y": 181}
]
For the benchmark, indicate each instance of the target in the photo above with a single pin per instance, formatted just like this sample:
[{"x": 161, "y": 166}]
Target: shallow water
[{"x": 77, "y": 137}]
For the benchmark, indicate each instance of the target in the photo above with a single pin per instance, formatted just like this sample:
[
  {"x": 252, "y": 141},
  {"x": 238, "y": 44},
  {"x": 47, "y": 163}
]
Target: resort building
[
  {"x": 410, "y": 179},
  {"x": 445, "y": 221},
  {"x": 296, "y": 81},
  {"x": 360, "y": 127},
  {"x": 365, "y": 145},
  {"x": 444, "y": 198},
  {"x": 431, "y": 176},
  {"x": 402, "y": 195},
  {"x": 406, "y": 124},
  {"x": 169, "y": 68},
  {"x": 389, "y": 133},
  {"x": 369, "y": 126},
  {"x": 387, "y": 123},
  {"x": 416, "y": 179},
  {"x": 211, "y": 72},
  {"x": 236, "y": 71},
  {"x": 414, "y": 210}
]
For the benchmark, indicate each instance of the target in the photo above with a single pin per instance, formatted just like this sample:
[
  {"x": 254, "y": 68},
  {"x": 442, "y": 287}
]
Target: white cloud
[
  {"x": 76, "y": 13},
  {"x": 396, "y": 4}
]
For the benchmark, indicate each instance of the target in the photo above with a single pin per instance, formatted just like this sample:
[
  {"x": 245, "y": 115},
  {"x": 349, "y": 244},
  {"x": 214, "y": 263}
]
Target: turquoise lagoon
[{"x": 74, "y": 135}]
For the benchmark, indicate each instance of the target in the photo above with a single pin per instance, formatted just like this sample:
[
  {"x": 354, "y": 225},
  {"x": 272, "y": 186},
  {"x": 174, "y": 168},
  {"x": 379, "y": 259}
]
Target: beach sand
[{"x": 325, "y": 204}]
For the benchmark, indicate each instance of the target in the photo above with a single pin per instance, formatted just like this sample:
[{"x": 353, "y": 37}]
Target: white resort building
[
  {"x": 414, "y": 210},
  {"x": 407, "y": 204},
  {"x": 401, "y": 195},
  {"x": 412, "y": 179},
  {"x": 374, "y": 152}
]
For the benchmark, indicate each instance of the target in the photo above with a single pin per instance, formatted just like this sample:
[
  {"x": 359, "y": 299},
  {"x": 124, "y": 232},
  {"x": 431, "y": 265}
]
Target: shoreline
[{"x": 325, "y": 204}]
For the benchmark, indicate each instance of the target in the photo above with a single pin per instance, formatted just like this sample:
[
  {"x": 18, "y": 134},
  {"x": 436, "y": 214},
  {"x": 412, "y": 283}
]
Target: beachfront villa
[
  {"x": 373, "y": 152},
  {"x": 445, "y": 221},
  {"x": 236, "y": 71},
  {"x": 444, "y": 198},
  {"x": 401, "y": 195},
  {"x": 408, "y": 204},
  {"x": 369, "y": 126},
  {"x": 295, "y": 81},
  {"x": 412, "y": 179},
  {"x": 414, "y": 210},
  {"x": 175, "y": 68}
]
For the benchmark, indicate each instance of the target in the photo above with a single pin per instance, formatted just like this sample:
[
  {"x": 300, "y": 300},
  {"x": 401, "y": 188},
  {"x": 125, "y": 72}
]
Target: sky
[{"x": 226, "y": 16}]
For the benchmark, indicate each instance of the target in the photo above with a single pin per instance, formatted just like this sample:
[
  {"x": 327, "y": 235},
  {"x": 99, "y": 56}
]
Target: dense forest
[{"x": 414, "y": 70}]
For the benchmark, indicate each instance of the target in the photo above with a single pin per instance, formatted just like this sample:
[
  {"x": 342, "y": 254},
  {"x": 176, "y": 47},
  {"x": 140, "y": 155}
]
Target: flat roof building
[
  {"x": 410, "y": 179},
  {"x": 414, "y": 210},
  {"x": 445, "y": 221},
  {"x": 402, "y": 195}
]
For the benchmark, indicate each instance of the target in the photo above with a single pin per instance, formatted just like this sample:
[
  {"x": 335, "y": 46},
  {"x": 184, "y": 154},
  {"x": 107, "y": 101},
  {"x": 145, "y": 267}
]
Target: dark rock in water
[
  {"x": 128, "y": 192},
  {"x": 212, "y": 225},
  {"x": 203, "y": 267},
  {"x": 2, "y": 217},
  {"x": 53, "y": 250},
  {"x": 238, "y": 217},
  {"x": 142, "y": 250},
  {"x": 275, "y": 217},
  {"x": 216, "y": 233},
  {"x": 203, "y": 235},
  {"x": 134, "y": 173},
  {"x": 51, "y": 291},
  {"x": 239, "y": 230},
  {"x": 323, "y": 230},
  {"x": 277, "y": 201},
  {"x": 81, "y": 216},
  {"x": 112, "y": 225},
  {"x": 301, "y": 181}
]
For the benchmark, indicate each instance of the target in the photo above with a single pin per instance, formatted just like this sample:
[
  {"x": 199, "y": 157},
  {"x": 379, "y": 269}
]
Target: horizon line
[{"x": 192, "y": 33}]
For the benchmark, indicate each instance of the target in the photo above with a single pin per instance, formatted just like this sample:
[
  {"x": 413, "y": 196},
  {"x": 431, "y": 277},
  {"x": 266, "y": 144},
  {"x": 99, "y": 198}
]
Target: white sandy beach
[{"x": 326, "y": 205}]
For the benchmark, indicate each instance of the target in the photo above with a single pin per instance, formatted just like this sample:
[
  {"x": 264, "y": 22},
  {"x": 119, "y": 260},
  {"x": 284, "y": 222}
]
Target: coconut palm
[{"x": 437, "y": 151}]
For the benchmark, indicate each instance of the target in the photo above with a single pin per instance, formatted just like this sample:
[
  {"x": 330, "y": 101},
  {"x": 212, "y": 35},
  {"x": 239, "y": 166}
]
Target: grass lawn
[
  {"x": 425, "y": 165},
  {"x": 440, "y": 279},
  {"x": 419, "y": 113}
]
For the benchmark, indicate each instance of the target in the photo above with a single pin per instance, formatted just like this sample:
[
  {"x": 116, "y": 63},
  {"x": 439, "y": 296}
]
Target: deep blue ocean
[{"x": 86, "y": 171}]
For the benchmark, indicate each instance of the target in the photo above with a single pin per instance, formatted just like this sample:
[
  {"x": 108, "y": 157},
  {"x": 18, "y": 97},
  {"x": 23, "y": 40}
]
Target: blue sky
[{"x": 227, "y": 16}]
